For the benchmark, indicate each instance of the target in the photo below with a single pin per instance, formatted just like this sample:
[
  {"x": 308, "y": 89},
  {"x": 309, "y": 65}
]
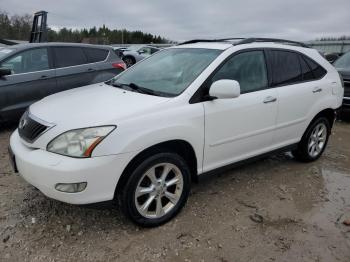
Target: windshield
[
  {"x": 5, "y": 51},
  {"x": 168, "y": 72},
  {"x": 343, "y": 62}
]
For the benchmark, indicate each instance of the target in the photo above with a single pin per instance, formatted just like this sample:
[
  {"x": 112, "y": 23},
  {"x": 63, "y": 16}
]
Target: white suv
[{"x": 143, "y": 136}]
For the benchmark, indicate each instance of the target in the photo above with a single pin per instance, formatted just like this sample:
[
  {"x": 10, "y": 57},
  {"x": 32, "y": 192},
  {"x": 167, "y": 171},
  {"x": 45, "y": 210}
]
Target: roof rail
[
  {"x": 198, "y": 41},
  {"x": 275, "y": 40},
  {"x": 246, "y": 41},
  {"x": 210, "y": 40}
]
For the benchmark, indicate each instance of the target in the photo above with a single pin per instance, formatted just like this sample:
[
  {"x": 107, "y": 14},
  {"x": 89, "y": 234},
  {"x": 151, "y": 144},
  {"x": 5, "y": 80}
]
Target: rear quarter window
[
  {"x": 96, "y": 55},
  {"x": 317, "y": 70}
]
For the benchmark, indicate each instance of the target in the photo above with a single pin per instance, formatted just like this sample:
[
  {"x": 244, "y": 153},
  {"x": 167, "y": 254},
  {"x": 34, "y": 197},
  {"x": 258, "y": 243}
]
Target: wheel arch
[
  {"x": 181, "y": 147},
  {"x": 328, "y": 113}
]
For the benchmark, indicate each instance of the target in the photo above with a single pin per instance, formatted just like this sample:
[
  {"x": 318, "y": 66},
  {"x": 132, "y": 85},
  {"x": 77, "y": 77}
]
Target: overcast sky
[{"x": 188, "y": 19}]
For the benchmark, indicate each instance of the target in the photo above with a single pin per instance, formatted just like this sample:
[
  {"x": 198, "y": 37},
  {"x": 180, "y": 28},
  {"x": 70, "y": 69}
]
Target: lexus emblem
[{"x": 22, "y": 123}]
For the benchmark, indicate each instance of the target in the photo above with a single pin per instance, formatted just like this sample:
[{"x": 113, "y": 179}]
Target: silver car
[{"x": 135, "y": 54}]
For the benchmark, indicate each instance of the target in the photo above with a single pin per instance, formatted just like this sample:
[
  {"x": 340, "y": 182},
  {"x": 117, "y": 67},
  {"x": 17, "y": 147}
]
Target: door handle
[
  {"x": 317, "y": 90},
  {"x": 270, "y": 99},
  {"x": 43, "y": 76},
  {"x": 90, "y": 70}
]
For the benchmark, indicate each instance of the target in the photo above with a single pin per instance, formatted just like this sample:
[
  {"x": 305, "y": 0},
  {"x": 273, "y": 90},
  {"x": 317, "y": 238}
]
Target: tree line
[
  {"x": 18, "y": 27},
  {"x": 342, "y": 38}
]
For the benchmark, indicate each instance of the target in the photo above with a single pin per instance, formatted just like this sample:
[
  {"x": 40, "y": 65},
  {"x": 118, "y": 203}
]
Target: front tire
[
  {"x": 156, "y": 190},
  {"x": 314, "y": 141}
]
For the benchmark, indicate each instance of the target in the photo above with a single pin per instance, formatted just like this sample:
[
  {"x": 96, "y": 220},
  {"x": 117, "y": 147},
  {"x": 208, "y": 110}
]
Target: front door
[
  {"x": 242, "y": 127},
  {"x": 32, "y": 78}
]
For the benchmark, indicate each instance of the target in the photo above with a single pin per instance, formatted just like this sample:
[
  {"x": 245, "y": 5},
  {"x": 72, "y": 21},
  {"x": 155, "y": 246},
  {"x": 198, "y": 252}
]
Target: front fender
[{"x": 139, "y": 133}]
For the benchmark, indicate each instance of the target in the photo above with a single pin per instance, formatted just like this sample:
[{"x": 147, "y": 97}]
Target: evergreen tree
[{"x": 18, "y": 27}]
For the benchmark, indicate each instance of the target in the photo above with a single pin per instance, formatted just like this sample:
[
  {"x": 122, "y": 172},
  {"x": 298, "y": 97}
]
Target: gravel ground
[{"x": 274, "y": 209}]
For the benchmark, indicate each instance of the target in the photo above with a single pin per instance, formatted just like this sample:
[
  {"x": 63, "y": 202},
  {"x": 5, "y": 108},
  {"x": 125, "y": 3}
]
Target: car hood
[{"x": 93, "y": 105}]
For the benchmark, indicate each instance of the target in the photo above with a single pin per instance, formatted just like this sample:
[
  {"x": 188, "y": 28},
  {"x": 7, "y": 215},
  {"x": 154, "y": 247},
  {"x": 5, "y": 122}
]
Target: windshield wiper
[
  {"x": 140, "y": 89},
  {"x": 136, "y": 88}
]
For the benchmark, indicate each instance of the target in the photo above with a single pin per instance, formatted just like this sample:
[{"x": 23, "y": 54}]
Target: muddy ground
[{"x": 274, "y": 209}]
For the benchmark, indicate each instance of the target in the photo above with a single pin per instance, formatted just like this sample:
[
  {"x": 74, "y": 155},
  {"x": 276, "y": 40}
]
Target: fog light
[{"x": 71, "y": 188}]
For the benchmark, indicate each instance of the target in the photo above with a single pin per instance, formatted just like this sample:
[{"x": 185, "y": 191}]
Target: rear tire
[
  {"x": 314, "y": 141},
  {"x": 129, "y": 61},
  {"x": 156, "y": 190}
]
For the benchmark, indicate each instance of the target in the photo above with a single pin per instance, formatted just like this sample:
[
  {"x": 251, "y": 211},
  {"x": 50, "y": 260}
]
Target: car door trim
[
  {"x": 244, "y": 136},
  {"x": 291, "y": 123},
  {"x": 233, "y": 165}
]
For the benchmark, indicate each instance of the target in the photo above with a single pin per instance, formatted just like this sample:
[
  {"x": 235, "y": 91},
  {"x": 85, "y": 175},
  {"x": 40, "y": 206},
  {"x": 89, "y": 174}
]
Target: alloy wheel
[
  {"x": 159, "y": 190},
  {"x": 317, "y": 140}
]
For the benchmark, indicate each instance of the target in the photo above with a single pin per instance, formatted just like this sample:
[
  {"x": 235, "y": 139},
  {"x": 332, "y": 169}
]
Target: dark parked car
[
  {"x": 29, "y": 72},
  {"x": 342, "y": 64},
  {"x": 332, "y": 57}
]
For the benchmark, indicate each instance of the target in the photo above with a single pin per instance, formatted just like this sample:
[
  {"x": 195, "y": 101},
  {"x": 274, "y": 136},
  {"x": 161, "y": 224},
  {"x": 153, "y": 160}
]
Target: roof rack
[
  {"x": 246, "y": 41},
  {"x": 275, "y": 40},
  {"x": 198, "y": 41},
  {"x": 210, "y": 40}
]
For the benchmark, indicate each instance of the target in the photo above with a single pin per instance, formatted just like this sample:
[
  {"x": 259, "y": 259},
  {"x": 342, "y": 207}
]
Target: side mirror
[
  {"x": 141, "y": 52},
  {"x": 5, "y": 72},
  {"x": 225, "y": 88}
]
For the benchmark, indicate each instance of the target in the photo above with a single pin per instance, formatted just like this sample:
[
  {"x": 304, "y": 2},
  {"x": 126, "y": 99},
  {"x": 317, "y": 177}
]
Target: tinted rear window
[
  {"x": 69, "y": 56},
  {"x": 96, "y": 55},
  {"x": 285, "y": 67},
  {"x": 317, "y": 70}
]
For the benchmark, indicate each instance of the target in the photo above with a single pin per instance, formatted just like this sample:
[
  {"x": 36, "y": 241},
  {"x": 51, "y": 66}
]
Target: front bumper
[{"x": 44, "y": 170}]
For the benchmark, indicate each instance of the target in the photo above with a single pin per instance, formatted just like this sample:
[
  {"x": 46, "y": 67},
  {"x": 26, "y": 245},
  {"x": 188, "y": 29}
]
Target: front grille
[
  {"x": 347, "y": 87},
  {"x": 29, "y": 129}
]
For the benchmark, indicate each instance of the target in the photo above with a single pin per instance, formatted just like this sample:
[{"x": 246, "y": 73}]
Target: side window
[
  {"x": 28, "y": 61},
  {"x": 154, "y": 50},
  {"x": 69, "y": 56},
  {"x": 146, "y": 50},
  {"x": 96, "y": 55},
  {"x": 317, "y": 70},
  {"x": 248, "y": 68},
  {"x": 285, "y": 68}
]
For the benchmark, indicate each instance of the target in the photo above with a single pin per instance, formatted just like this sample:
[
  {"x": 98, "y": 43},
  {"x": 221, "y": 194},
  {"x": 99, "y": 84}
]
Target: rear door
[
  {"x": 32, "y": 78},
  {"x": 107, "y": 64},
  {"x": 295, "y": 77},
  {"x": 72, "y": 67}
]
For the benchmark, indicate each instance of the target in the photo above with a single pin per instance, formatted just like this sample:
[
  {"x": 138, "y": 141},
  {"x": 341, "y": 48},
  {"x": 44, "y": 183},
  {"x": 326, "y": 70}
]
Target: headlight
[{"x": 79, "y": 142}]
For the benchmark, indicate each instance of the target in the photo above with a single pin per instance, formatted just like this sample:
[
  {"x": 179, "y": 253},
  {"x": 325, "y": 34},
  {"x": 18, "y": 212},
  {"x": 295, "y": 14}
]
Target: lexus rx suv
[
  {"x": 195, "y": 108},
  {"x": 29, "y": 72}
]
